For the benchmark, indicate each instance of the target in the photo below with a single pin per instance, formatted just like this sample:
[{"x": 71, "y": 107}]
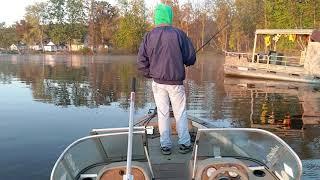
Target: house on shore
[
  {"x": 17, "y": 47},
  {"x": 35, "y": 47},
  {"x": 50, "y": 47},
  {"x": 14, "y": 47},
  {"x": 76, "y": 47}
]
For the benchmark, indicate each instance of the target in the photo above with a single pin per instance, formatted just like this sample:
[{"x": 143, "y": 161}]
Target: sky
[{"x": 13, "y": 10}]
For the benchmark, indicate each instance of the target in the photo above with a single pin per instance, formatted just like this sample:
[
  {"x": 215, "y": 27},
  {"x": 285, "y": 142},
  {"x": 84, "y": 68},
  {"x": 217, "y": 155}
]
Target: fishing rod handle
[{"x": 133, "y": 85}]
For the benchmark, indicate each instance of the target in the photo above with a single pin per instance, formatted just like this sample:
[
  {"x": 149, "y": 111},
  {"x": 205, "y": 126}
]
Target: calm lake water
[{"x": 47, "y": 102}]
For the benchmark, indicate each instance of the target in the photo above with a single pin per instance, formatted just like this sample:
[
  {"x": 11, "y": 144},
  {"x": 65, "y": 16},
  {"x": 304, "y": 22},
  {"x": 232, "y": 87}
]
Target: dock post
[{"x": 254, "y": 47}]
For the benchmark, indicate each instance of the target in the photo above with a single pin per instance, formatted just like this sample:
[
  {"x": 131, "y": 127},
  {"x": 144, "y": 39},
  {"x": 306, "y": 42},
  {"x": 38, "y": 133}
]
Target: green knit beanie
[{"x": 163, "y": 14}]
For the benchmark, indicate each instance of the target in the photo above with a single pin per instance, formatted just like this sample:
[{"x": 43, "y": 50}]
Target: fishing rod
[{"x": 213, "y": 36}]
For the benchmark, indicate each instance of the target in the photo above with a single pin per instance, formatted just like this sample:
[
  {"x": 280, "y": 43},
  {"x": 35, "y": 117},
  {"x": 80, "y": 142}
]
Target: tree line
[{"x": 122, "y": 26}]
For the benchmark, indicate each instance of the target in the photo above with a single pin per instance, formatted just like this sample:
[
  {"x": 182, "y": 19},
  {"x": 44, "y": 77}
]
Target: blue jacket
[{"x": 163, "y": 53}]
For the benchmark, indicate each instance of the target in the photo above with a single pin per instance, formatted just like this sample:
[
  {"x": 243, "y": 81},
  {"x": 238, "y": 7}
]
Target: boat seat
[
  {"x": 203, "y": 165},
  {"x": 115, "y": 171}
]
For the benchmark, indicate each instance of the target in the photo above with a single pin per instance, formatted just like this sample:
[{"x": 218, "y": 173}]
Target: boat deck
[{"x": 169, "y": 167}]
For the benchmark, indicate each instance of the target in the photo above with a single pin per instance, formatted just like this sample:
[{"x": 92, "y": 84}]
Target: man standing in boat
[{"x": 163, "y": 55}]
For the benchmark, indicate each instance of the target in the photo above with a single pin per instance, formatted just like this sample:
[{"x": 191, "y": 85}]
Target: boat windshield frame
[
  {"x": 195, "y": 155},
  {"x": 106, "y": 132}
]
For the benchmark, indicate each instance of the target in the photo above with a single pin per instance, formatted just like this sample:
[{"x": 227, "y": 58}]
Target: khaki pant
[{"x": 163, "y": 94}]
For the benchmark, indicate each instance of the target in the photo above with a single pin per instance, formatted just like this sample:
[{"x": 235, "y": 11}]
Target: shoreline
[{"x": 112, "y": 53}]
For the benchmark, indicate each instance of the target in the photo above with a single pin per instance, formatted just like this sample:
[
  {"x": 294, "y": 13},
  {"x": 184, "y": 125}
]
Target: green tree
[
  {"x": 8, "y": 36},
  {"x": 279, "y": 15},
  {"x": 102, "y": 23},
  {"x": 22, "y": 28},
  {"x": 35, "y": 16},
  {"x": 106, "y": 16},
  {"x": 75, "y": 19},
  {"x": 132, "y": 26},
  {"x": 248, "y": 15},
  {"x": 223, "y": 14},
  {"x": 57, "y": 21}
]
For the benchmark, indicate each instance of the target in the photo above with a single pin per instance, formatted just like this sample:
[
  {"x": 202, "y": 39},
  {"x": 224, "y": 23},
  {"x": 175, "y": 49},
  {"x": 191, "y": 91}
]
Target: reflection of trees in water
[
  {"x": 204, "y": 87},
  {"x": 92, "y": 84},
  {"x": 266, "y": 108},
  {"x": 7, "y": 72},
  {"x": 273, "y": 108}
]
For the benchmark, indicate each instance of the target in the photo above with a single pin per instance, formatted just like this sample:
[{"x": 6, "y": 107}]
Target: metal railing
[
  {"x": 278, "y": 60},
  {"x": 267, "y": 59},
  {"x": 237, "y": 54}
]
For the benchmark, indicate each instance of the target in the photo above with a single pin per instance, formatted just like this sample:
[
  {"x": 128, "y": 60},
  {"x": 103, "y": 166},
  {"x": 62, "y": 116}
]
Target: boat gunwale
[
  {"x": 264, "y": 132},
  {"x": 83, "y": 139}
]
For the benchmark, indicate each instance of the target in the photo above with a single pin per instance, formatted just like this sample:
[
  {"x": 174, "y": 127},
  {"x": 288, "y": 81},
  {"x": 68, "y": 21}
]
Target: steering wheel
[{"x": 228, "y": 169}]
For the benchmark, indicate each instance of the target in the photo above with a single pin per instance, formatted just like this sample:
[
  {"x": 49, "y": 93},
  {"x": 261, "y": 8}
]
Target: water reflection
[
  {"x": 74, "y": 80},
  {"x": 290, "y": 110},
  {"x": 63, "y": 97}
]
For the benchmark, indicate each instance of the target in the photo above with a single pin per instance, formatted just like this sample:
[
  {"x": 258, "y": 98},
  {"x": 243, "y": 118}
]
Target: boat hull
[
  {"x": 107, "y": 149},
  {"x": 240, "y": 71}
]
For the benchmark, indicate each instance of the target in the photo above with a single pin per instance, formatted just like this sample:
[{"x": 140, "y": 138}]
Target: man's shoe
[
  {"x": 183, "y": 149},
  {"x": 165, "y": 150}
]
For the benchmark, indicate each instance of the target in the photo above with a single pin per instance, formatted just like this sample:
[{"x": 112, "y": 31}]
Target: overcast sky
[{"x": 13, "y": 10}]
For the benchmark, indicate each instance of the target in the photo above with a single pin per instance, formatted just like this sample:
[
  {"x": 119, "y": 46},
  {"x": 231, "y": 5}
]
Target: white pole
[
  {"x": 254, "y": 47},
  {"x": 128, "y": 175}
]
